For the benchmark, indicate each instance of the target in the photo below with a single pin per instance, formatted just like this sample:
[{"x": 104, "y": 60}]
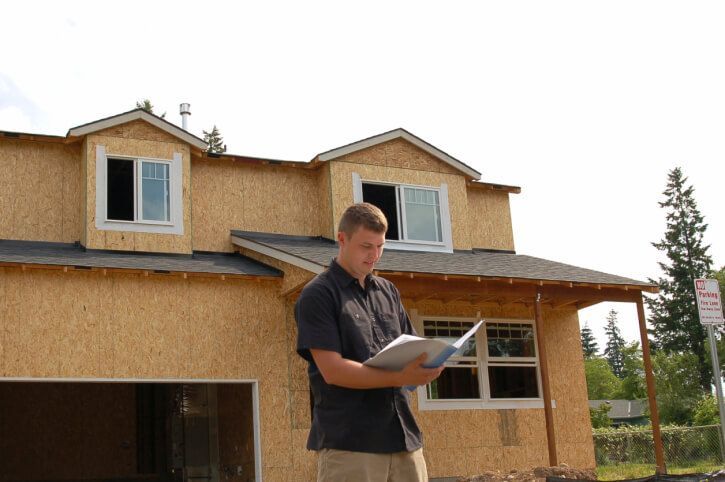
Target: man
[{"x": 362, "y": 425}]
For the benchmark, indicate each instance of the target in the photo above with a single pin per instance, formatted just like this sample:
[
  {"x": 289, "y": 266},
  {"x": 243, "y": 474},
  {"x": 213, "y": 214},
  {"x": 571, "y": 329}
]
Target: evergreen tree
[
  {"x": 674, "y": 315},
  {"x": 615, "y": 344},
  {"x": 148, "y": 107},
  {"x": 214, "y": 140},
  {"x": 589, "y": 343}
]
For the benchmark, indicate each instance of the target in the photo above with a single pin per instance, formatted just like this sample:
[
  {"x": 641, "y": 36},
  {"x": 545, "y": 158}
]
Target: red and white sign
[{"x": 708, "y": 301}]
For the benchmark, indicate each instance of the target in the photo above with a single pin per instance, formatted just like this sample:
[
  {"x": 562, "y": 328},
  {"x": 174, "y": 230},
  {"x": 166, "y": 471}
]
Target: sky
[{"x": 585, "y": 105}]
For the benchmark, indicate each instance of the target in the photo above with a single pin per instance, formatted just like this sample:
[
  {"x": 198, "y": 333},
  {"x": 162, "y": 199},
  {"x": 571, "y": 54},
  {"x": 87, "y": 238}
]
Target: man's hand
[
  {"x": 342, "y": 372},
  {"x": 415, "y": 373}
]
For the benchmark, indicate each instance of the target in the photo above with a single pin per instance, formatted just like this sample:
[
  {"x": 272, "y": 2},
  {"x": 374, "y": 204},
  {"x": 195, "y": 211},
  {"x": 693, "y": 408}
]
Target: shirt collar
[{"x": 343, "y": 278}]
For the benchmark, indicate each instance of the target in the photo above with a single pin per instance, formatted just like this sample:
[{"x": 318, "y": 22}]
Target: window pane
[
  {"x": 120, "y": 190},
  {"x": 510, "y": 340},
  {"x": 450, "y": 331},
  {"x": 422, "y": 214},
  {"x": 455, "y": 383},
  {"x": 155, "y": 192},
  {"x": 384, "y": 198},
  {"x": 512, "y": 382}
]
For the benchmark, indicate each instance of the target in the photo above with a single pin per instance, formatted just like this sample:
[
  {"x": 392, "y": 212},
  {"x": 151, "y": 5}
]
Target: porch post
[
  {"x": 654, "y": 415},
  {"x": 548, "y": 412}
]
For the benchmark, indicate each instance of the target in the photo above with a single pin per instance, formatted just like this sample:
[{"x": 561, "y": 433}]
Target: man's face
[{"x": 359, "y": 252}]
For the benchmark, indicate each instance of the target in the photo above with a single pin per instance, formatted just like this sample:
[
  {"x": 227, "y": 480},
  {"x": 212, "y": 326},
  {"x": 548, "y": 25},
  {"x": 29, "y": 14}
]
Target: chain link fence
[{"x": 683, "y": 446}]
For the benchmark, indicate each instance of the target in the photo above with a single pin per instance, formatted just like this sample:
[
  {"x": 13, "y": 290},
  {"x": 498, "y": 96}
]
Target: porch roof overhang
[{"x": 475, "y": 275}]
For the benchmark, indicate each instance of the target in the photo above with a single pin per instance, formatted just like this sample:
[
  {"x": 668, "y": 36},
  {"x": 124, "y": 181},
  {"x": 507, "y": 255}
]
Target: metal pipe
[
  {"x": 185, "y": 111},
  {"x": 718, "y": 387}
]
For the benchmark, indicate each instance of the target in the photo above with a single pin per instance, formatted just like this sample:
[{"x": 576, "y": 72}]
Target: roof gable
[
  {"x": 400, "y": 134},
  {"x": 134, "y": 115}
]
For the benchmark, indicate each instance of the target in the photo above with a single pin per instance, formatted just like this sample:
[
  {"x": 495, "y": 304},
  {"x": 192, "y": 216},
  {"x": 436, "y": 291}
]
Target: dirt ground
[{"x": 537, "y": 474}]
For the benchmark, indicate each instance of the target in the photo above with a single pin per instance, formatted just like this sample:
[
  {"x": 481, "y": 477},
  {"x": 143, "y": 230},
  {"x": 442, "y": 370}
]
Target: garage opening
[{"x": 53, "y": 431}]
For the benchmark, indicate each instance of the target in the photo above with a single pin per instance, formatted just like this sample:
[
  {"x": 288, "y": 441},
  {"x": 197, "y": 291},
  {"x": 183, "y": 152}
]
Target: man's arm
[{"x": 342, "y": 372}]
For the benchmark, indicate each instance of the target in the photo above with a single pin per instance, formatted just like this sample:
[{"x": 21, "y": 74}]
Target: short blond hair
[{"x": 366, "y": 215}]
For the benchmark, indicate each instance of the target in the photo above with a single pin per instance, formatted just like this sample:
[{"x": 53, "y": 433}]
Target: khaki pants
[{"x": 345, "y": 466}]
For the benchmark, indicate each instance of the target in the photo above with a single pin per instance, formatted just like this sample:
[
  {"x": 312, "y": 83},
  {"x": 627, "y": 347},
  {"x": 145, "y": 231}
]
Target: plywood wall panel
[
  {"x": 133, "y": 326},
  {"x": 40, "y": 194},
  {"x": 399, "y": 153},
  {"x": 138, "y": 129},
  {"x": 328, "y": 225},
  {"x": 304, "y": 461},
  {"x": 489, "y": 219},
  {"x": 232, "y": 195},
  {"x": 275, "y": 415}
]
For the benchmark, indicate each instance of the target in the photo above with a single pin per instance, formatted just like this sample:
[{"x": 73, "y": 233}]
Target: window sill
[
  {"x": 418, "y": 246},
  {"x": 436, "y": 405},
  {"x": 141, "y": 227}
]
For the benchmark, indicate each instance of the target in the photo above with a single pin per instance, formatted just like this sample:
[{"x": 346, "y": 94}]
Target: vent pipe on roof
[{"x": 185, "y": 111}]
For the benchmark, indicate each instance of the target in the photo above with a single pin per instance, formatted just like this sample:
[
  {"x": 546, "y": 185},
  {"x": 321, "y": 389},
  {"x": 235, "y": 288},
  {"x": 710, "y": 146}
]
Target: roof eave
[{"x": 494, "y": 187}]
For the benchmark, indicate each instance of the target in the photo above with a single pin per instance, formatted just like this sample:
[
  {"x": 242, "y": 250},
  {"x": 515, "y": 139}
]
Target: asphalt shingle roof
[
  {"x": 320, "y": 251},
  {"x": 622, "y": 408},
  {"x": 65, "y": 254}
]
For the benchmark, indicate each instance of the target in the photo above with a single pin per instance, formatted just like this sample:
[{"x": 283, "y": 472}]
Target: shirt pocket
[
  {"x": 356, "y": 334},
  {"x": 386, "y": 328}
]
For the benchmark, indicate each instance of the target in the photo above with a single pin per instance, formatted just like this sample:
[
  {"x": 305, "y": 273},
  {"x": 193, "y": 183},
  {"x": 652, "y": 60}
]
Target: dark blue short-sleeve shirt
[{"x": 335, "y": 313}]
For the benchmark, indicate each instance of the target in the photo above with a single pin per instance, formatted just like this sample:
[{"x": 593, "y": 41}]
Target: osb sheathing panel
[
  {"x": 40, "y": 191},
  {"x": 136, "y": 139},
  {"x": 294, "y": 277},
  {"x": 328, "y": 224},
  {"x": 401, "y": 154},
  {"x": 61, "y": 431},
  {"x": 489, "y": 218},
  {"x": 299, "y": 382},
  {"x": 131, "y": 326},
  {"x": 236, "y": 431},
  {"x": 139, "y": 129},
  {"x": 232, "y": 195},
  {"x": 342, "y": 194},
  {"x": 82, "y": 207}
]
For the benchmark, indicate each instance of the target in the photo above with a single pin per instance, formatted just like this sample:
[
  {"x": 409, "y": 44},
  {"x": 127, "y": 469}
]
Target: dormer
[
  {"x": 423, "y": 191},
  {"x": 136, "y": 175}
]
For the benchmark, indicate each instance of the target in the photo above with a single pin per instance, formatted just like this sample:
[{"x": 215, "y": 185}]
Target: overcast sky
[{"x": 585, "y": 105}]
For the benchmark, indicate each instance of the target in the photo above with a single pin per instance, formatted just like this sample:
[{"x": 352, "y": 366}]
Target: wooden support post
[
  {"x": 548, "y": 412},
  {"x": 654, "y": 414}
]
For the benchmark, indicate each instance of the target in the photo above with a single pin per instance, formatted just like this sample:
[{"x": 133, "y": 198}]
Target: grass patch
[{"x": 635, "y": 471}]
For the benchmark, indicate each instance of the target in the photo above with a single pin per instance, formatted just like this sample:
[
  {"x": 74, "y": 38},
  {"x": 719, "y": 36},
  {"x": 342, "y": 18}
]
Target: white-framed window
[
  {"x": 138, "y": 194},
  {"x": 418, "y": 216},
  {"x": 497, "y": 368}
]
